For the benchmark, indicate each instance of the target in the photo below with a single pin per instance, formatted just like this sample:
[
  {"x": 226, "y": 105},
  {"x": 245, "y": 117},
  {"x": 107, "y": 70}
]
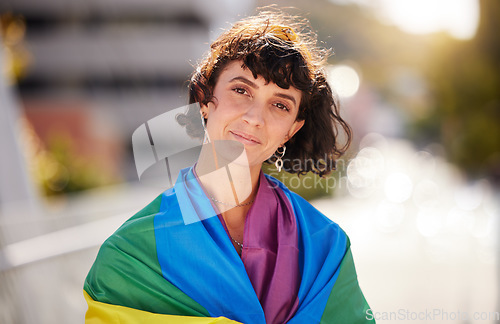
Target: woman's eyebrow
[
  {"x": 245, "y": 80},
  {"x": 285, "y": 96},
  {"x": 255, "y": 86}
]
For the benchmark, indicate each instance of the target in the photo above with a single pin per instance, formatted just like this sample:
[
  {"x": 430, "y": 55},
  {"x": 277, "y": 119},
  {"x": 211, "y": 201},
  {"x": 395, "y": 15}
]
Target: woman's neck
[{"x": 230, "y": 182}]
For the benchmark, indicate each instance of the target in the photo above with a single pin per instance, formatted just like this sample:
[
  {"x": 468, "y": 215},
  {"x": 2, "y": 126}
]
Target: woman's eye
[
  {"x": 281, "y": 106},
  {"x": 240, "y": 90}
]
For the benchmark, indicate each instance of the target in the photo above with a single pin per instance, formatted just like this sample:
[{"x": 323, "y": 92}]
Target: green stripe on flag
[
  {"x": 127, "y": 272},
  {"x": 346, "y": 303}
]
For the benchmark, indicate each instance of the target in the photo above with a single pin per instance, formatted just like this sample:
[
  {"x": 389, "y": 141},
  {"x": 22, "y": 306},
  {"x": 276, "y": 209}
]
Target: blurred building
[
  {"x": 99, "y": 69},
  {"x": 96, "y": 70}
]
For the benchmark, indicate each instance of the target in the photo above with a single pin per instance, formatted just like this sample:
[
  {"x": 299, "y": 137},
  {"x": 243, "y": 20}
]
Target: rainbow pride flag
[{"x": 157, "y": 269}]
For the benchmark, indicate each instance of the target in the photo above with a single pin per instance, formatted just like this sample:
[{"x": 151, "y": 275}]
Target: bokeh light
[
  {"x": 469, "y": 197},
  {"x": 426, "y": 194},
  {"x": 364, "y": 172},
  {"x": 429, "y": 221},
  {"x": 398, "y": 187},
  {"x": 344, "y": 80},
  {"x": 389, "y": 216}
]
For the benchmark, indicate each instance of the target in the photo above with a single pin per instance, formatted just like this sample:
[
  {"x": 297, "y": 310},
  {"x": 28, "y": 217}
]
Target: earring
[
  {"x": 206, "y": 138},
  {"x": 279, "y": 160}
]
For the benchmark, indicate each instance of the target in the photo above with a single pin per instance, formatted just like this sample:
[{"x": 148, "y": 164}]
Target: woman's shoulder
[
  {"x": 131, "y": 246},
  {"x": 136, "y": 235},
  {"x": 162, "y": 203}
]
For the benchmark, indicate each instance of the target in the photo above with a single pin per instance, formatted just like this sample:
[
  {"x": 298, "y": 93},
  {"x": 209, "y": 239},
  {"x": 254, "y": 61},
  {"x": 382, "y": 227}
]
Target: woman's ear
[{"x": 206, "y": 109}]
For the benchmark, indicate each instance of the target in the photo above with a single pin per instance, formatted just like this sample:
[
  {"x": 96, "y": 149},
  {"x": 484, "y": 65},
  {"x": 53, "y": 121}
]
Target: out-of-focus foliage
[
  {"x": 57, "y": 168},
  {"x": 446, "y": 90},
  {"x": 55, "y": 165},
  {"x": 12, "y": 31},
  {"x": 311, "y": 186},
  {"x": 464, "y": 77},
  {"x": 65, "y": 172}
]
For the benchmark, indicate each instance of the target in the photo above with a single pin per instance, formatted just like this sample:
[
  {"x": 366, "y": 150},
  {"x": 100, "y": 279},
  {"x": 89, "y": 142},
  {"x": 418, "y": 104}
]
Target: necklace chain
[
  {"x": 239, "y": 244},
  {"x": 231, "y": 205}
]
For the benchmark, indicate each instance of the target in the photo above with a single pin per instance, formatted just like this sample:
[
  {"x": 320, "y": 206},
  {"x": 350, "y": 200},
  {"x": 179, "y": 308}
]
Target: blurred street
[{"x": 424, "y": 241}]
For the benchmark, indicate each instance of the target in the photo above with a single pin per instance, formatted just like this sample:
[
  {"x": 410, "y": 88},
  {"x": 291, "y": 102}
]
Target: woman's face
[{"x": 260, "y": 116}]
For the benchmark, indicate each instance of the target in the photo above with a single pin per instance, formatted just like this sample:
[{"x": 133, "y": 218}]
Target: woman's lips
[{"x": 245, "y": 138}]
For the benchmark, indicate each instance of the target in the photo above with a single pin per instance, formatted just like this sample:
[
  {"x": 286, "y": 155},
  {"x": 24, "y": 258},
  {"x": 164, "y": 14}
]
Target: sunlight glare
[{"x": 458, "y": 17}]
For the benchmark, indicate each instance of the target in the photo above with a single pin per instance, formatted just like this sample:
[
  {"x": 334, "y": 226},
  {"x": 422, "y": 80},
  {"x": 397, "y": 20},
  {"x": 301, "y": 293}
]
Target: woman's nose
[{"x": 254, "y": 114}]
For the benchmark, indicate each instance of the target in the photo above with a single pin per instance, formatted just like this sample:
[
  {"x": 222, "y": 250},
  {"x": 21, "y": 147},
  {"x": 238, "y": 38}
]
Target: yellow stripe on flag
[{"x": 102, "y": 313}]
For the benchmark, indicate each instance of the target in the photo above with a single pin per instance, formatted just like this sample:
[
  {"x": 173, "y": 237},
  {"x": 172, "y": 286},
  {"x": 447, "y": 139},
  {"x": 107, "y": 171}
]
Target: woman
[{"x": 228, "y": 243}]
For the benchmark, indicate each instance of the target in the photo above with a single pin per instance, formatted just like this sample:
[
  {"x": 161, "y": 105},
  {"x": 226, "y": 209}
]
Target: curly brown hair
[{"x": 281, "y": 49}]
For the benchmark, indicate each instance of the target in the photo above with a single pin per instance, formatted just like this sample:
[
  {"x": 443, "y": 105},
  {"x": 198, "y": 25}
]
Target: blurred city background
[{"x": 418, "y": 192}]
